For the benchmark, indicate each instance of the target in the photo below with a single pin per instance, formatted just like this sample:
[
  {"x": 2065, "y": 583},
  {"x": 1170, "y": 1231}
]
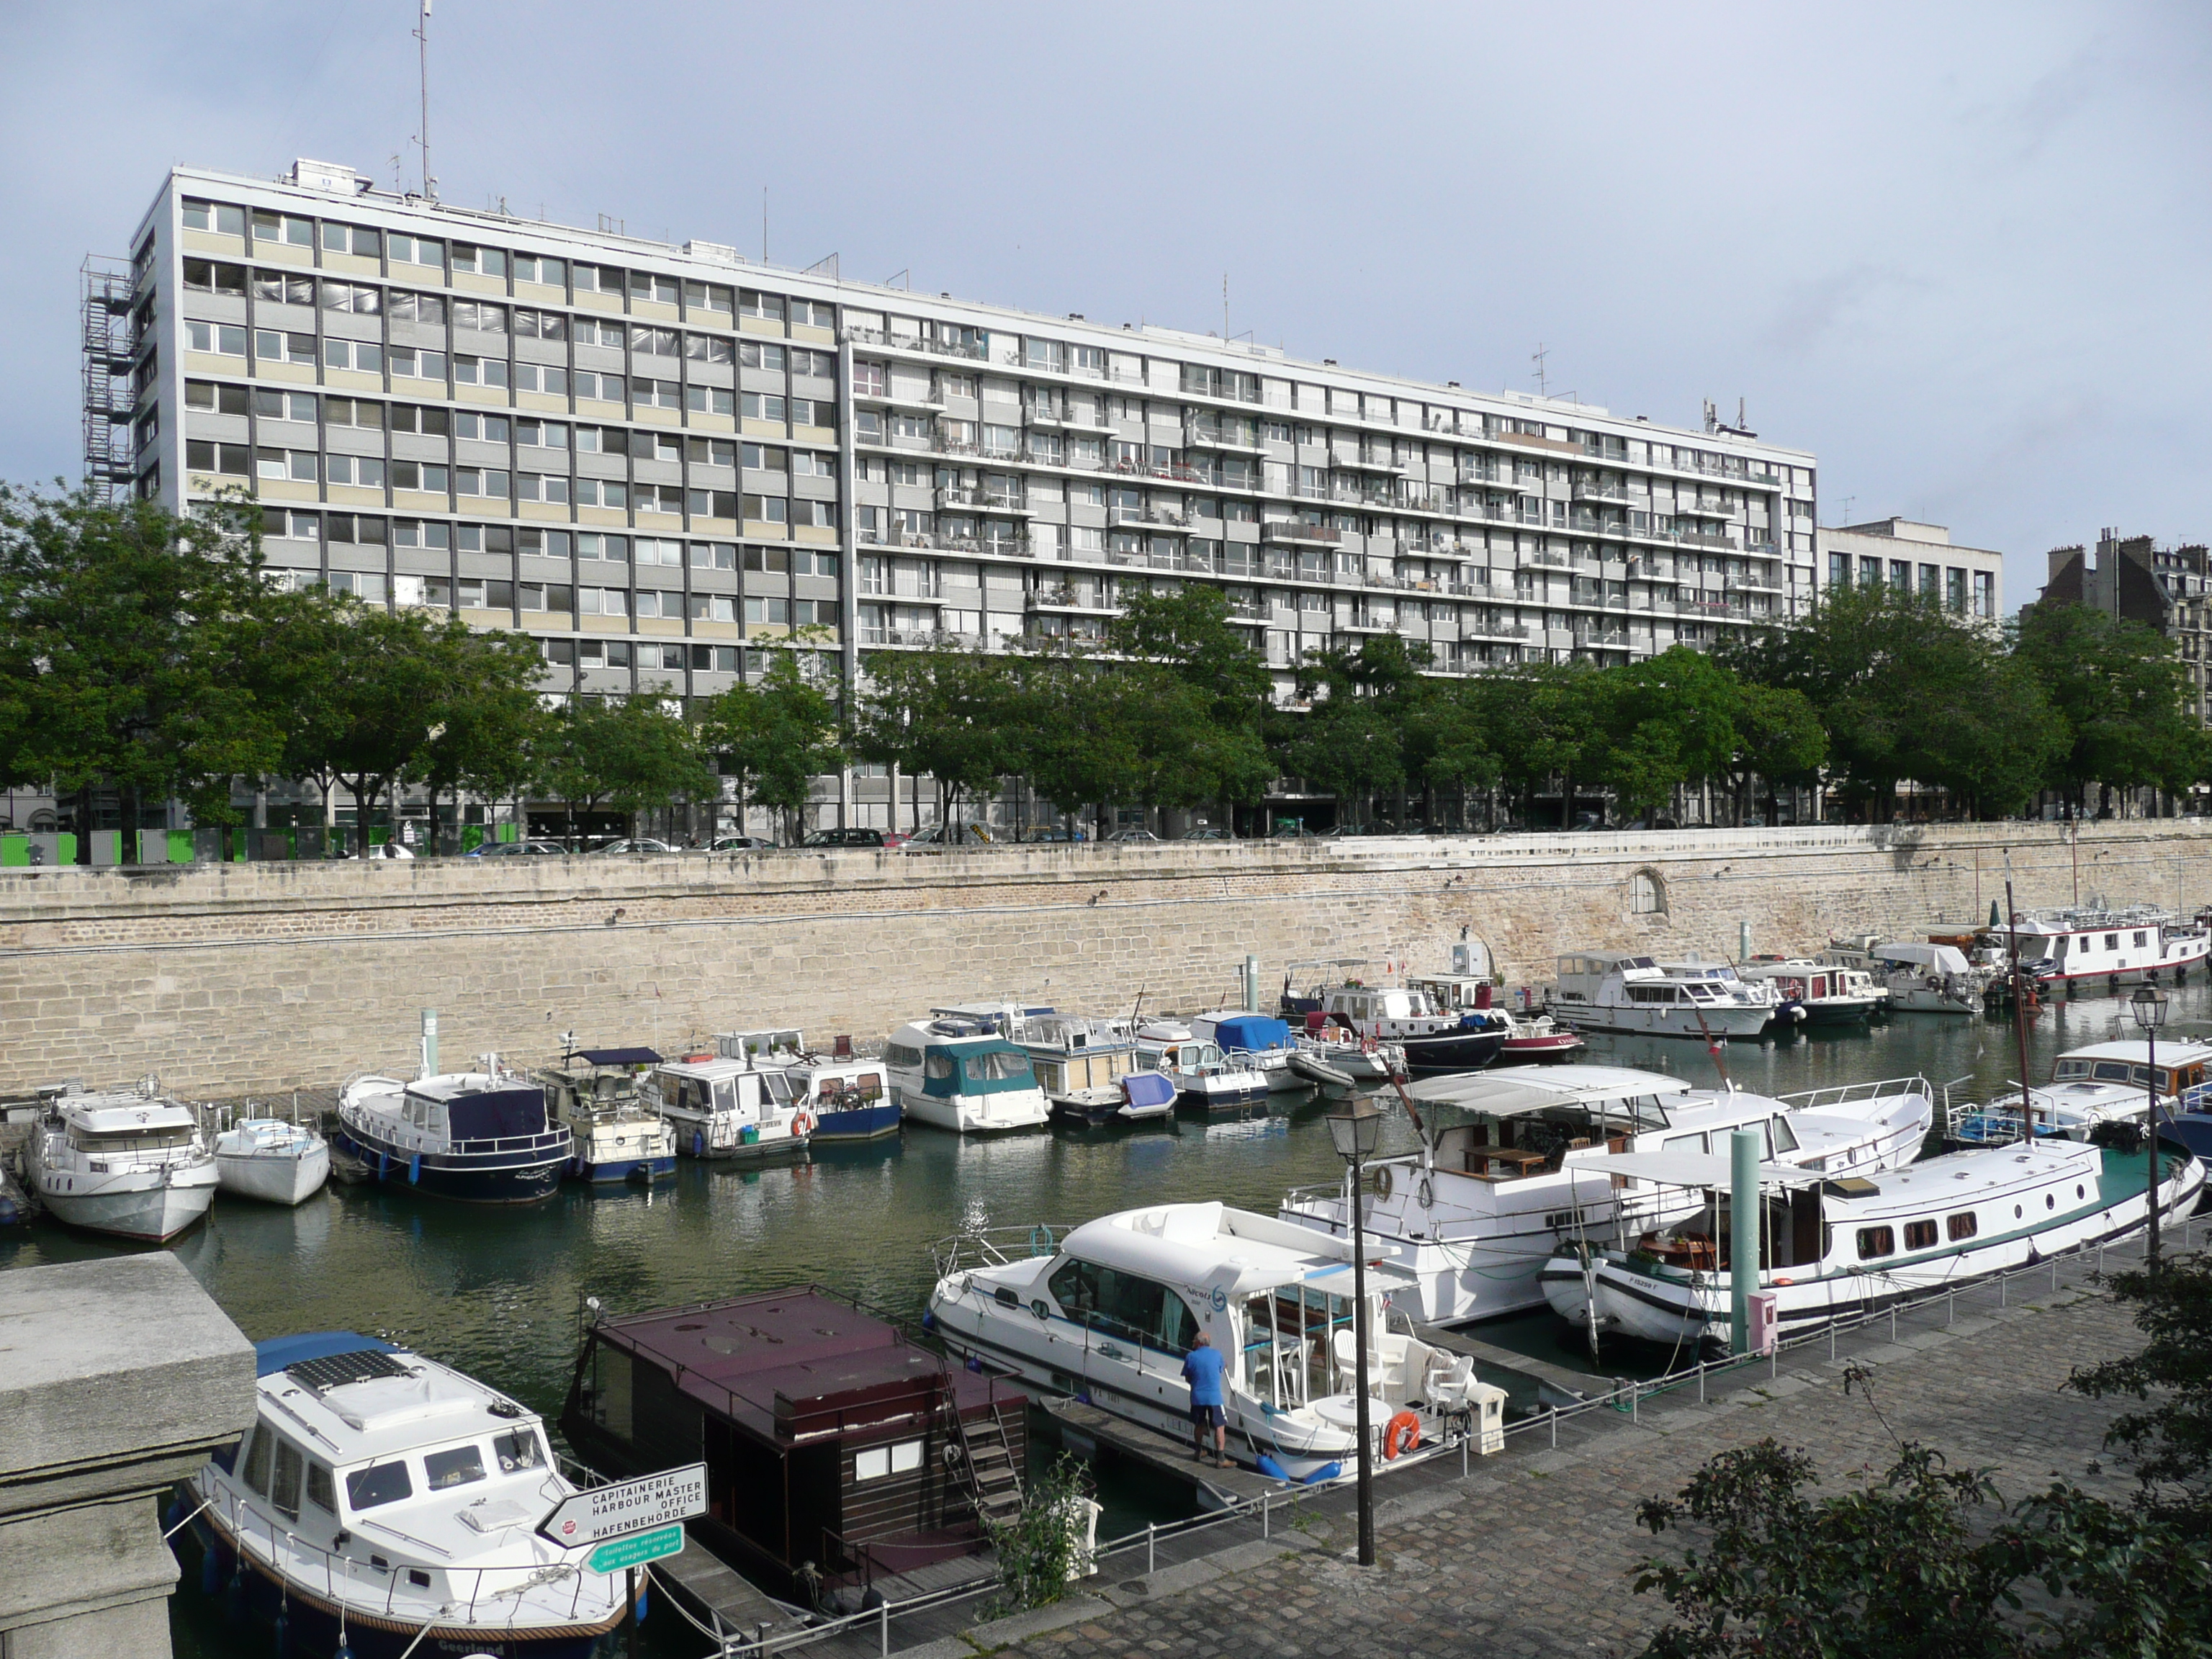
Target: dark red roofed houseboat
[{"x": 828, "y": 1437}]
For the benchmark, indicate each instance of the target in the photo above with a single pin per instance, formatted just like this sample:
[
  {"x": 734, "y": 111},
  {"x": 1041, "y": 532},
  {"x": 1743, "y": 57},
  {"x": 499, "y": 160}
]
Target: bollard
[
  {"x": 884, "y": 1626},
  {"x": 1951, "y": 1306},
  {"x": 1555, "y": 1428},
  {"x": 1463, "y": 1441},
  {"x": 2004, "y": 1283},
  {"x": 1893, "y": 1321},
  {"x": 1266, "y": 1519},
  {"x": 1831, "y": 1339},
  {"x": 2054, "y": 1272},
  {"x": 1774, "y": 1361},
  {"x": 1701, "y": 1383},
  {"x": 1635, "y": 1394},
  {"x": 1150, "y": 1526}
]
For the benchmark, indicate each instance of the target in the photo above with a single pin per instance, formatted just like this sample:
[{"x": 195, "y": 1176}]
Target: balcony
[
  {"x": 982, "y": 501},
  {"x": 1301, "y": 535},
  {"x": 1588, "y": 489},
  {"x": 875, "y": 336},
  {"x": 1199, "y": 437},
  {"x": 1703, "y": 510},
  {"x": 1146, "y": 517},
  {"x": 1372, "y": 462},
  {"x": 1071, "y": 599},
  {"x": 920, "y": 639}
]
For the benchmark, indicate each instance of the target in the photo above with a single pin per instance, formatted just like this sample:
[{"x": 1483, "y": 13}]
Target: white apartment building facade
[
  {"x": 1920, "y": 559},
  {"x": 658, "y": 459}
]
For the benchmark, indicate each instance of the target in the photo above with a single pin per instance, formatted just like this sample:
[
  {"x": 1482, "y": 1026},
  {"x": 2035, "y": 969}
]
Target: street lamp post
[
  {"x": 1358, "y": 1133},
  {"x": 2148, "y": 1004}
]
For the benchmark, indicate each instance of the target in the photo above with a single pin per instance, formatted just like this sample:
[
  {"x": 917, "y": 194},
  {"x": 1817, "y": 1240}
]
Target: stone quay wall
[{"x": 227, "y": 979}]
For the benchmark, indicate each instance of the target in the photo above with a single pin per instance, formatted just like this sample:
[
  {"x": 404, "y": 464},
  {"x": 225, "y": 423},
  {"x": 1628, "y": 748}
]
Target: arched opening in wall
[
  {"x": 1647, "y": 894},
  {"x": 1471, "y": 955}
]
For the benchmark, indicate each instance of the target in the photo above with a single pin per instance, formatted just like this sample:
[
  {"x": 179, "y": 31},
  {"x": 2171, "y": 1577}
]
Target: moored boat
[
  {"x": 616, "y": 1138},
  {"x": 133, "y": 1164},
  {"x": 1821, "y": 993},
  {"x": 721, "y": 1109},
  {"x": 850, "y": 1098},
  {"x": 271, "y": 1159},
  {"x": 1134, "y": 1098},
  {"x": 2098, "y": 1084},
  {"x": 1617, "y": 990},
  {"x": 1431, "y": 1040},
  {"x": 482, "y": 1137},
  {"x": 2093, "y": 945},
  {"x": 962, "y": 1073},
  {"x": 1204, "y": 1077},
  {"x": 1255, "y": 1042},
  {"x": 1529, "y": 1035}
]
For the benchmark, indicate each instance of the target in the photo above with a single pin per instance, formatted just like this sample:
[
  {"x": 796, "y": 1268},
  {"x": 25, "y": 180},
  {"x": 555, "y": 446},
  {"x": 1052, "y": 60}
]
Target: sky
[{"x": 1959, "y": 253}]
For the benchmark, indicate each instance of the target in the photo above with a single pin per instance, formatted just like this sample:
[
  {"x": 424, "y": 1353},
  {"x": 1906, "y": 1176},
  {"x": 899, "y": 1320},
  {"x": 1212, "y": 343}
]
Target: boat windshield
[
  {"x": 995, "y": 1068},
  {"x": 131, "y": 1140}
]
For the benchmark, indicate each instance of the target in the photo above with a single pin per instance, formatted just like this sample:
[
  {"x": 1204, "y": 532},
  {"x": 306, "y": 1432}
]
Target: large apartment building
[{"x": 656, "y": 459}]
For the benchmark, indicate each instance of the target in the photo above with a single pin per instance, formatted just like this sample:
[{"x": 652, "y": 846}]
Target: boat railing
[
  {"x": 1811, "y": 1100},
  {"x": 537, "y": 1143},
  {"x": 996, "y": 1247}
]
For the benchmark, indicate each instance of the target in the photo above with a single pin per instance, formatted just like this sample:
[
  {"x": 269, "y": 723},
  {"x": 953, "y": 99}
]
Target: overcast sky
[{"x": 1959, "y": 253}]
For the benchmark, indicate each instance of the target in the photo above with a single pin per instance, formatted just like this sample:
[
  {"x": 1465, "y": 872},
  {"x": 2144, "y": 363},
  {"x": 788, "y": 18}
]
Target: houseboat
[
  {"x": 135, "y": 1164},
  {"x": 385, "y": 1504},
  {"x": 616, "y": 1136},
  {"x": 2109, "y": 947},
  {"x": 850, "y": 1097},
  {"x": 1832, "y": 1248},
  {"x": 1470, "y": 1219},
  {"x": 1819, "y": 993},
  {"x": 838, "y": 1453},
  {"x": 1614, "y": 991},
  {"x": 1108, "y": 1312},
  {"x": 483, "y": 1136},
  {"x": 1433, "y": 1040},
  {"x": 961, "y": 1072},
  {"x": 722, "y": 1110}
]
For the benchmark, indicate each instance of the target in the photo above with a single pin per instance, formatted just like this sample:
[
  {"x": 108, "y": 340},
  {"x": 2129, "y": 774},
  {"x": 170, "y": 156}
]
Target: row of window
[
  {"x": 565, "y": 601},
  {"x": 1948, "y": 585},
  {"x": 1877, "y": 1241}
]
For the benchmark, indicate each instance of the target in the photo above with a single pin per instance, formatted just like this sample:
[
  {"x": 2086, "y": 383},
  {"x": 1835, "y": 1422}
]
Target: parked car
[
  {"x": 1223, "y": 835},
  {"x": 1143, "y": 835},
  {"x": 1051, "y": 833},
  {"x": 846, "y": 838},
  {"x": 741, "y": 844},
  {"x": 935, "y": 835},
  {"x": 508, "y": 849},
  {"x": 635, "y": 844}
]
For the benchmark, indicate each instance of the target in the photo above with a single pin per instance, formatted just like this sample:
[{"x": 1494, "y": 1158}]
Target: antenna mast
[
  {"x": 422, "y": 55},
  {"x": 1543, "y": 381}
]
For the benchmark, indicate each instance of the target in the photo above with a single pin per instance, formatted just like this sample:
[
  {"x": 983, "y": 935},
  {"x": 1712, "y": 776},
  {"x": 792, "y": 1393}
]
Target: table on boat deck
[{"x": 1514, "y": 1157}]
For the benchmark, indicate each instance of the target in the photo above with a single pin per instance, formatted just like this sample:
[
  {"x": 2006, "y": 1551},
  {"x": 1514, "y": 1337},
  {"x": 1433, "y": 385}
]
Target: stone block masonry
[{"x": 225, "y": 978}]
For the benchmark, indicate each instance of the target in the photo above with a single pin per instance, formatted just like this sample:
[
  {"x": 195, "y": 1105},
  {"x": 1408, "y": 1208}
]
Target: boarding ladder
[{"x": 986, "y": 1463}]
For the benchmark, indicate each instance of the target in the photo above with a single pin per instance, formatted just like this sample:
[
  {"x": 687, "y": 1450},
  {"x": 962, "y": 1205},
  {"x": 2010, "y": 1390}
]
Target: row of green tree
[{"x": 150, "y": 655}]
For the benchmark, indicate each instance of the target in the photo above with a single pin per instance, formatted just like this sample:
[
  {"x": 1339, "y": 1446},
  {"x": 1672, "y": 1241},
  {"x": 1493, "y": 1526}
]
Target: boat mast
[{"x": 2019, "y": 1009}]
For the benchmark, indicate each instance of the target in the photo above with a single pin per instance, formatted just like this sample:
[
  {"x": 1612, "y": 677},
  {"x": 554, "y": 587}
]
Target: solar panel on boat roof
[{"x": 333, "y": 1371}]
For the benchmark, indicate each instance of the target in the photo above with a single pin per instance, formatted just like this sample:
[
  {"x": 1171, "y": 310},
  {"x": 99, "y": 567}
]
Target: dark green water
[{"x": 496, "y": 1292}]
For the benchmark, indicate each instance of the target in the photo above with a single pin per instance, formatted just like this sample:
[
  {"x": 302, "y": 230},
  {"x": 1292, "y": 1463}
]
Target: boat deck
[
  {"x": 1218, "y": 1488},
  {"x": 717, "y": 1594},
  {"x": 1574, "y": 1384}
]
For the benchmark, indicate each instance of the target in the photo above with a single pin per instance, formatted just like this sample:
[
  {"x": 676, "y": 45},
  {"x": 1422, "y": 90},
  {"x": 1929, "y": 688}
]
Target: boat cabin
[
  {"x": 2180, "y": 1072},
  {"x": 957, "y": 1056},
  {"x": 1455, "y": 993},
  {"x": 596, "y": 1084},
  {"x": 828, "y": 1437}
]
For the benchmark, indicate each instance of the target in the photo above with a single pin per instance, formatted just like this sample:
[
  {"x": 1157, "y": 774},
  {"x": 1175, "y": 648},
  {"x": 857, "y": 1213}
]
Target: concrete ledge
[{"x": 1020, "y": 1626}]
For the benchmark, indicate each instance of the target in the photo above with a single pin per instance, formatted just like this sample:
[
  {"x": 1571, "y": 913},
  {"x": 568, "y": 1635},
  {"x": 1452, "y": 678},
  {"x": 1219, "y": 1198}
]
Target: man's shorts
[{"x": 1208, "y": 1417}]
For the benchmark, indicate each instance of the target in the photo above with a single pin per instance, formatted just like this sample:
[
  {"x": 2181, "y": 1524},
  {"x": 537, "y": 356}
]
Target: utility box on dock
[
  {"x": 1487, "y": 1401},
  {"x": 1759, "y": 1322}
]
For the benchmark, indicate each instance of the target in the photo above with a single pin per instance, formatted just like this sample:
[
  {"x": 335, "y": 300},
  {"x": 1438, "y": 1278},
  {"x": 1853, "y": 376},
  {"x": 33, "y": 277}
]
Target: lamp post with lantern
[
  {"x": 2149, "y": 1006},
  {"x": 1358, "y": 1134}
]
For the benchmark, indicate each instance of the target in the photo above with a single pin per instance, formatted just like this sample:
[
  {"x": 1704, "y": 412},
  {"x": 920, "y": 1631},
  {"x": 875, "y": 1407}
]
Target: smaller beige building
[{"x": 1913, "y": 558}]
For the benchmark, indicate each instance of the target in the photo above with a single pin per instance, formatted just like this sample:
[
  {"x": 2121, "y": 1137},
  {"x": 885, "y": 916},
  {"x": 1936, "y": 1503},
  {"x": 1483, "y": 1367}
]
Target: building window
[
  {"x": 1869, "y": 572},
  {"x": 1647, "y": 894},
  {"x": 1839, "y": 570},
  {"x": 1954, "y": 591},
  {"x": 1985, "y": 595}
]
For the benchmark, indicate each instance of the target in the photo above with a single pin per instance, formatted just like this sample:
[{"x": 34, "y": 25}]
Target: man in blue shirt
[{"x": 1202, "y": 1369}]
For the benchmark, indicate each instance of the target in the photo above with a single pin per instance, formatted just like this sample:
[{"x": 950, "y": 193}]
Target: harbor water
[{"x": 497, "y": 1292}]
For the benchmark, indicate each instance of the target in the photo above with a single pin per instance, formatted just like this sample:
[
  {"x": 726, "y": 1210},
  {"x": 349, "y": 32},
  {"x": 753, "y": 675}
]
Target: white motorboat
[
  {"x": 1431, "y": 1039},
  {"x": 1134, "y": 1098},
  {"x": 275, "y": 1161},
  {"x": 962, "y": 1073},
  {"x": 1203, "y": 1077},
  {"x": 2118, "y": 947},
  {"x": 1472, "y": 1217},
  {"x": 1108, "y": 1312},
  {"x": 722, "y": 1108},
  {"x": 482, "y": 1137},
  {"x": 850, "y": 1097},
  {"x": 387, "y": 1502},
  {"x": 1614, "y": 991},
  {"x": 2098, "y": 1083},
  {"x": 1820, "y": 992},
  {"x": 134, "y": 1164},
  {"x": 1259, "y": 1043},
  {"x": 1832, "y": 1250},
  {"x": 1069, "y": 1053},
  {"x": 1921, "y": 978},
  {"x": 1529, "y": 1035},
  {"x": 615, "y": 1137}
]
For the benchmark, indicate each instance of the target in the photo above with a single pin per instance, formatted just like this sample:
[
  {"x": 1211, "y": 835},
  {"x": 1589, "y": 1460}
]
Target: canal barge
[
  {"x": 387, "y": 1504},
  {"x": 838, "y": 1453},
  {"x": 482, "y": 1137},
  {"x": 2075, "y": 947}
]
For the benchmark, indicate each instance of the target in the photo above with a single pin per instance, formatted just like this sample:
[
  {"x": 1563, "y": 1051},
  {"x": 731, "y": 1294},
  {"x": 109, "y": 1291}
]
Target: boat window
[
  {"x": 725, "y": 1094},
  {"x": 258, "y": 1457},
  {"x": 130, "y": 1140},
  {"x": 1075, "y": 1287},
  {"x": 875, "y": 1462},
  {"x": 285, "y": 1487},
  {"x": 2142, "y": 939},
  {"x": 2111, "y": 941},
  {"x": 2111, "y": 1071},
  {"x": 2065, "y": 939},
  {"x": 897, "y": 1054},
  {"x": 996, "y": 1067},
  {"x": 378, "y": 1484},
  {"x": 1919, "y": 1235},
  {"x": 320, "y": 1491},
  {"x": 939, "y": 1065},
  {"x": 778, "y": 1087},
  {"x": 1961, "y": 1225},
  {"x": 2164, "y": 1081},
  {"x": 1125, "y": 1305},
  {"x": 1684, "y": 1144},
  {"x": 1876, "y": 1242},
  {"x": 461, "y": 1466},
  {"x": 522, "y": 1449},
  {"x": 2139, "y": 1075},
  {"x": 2072, "y": 1068},
  {"x": 1780, "y": 1137}
]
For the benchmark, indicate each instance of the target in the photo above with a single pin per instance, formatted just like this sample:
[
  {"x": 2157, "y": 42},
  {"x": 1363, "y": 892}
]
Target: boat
[
  {"x": 1529, "y": 1036},
  {"x": 483, "y": 1136},
  {"x": 1337, "y": 1054},
  {"x": 2077, "y": 946},
  {"x": 271, "y": 1159},
  {"x": 384, "y": 1504},
  {"x": 1107, "y": 1311},
  {"x": 615, "y": 1137},
  {"x": 133, "y": 1163},
  {"x": 1204, "y": 1077},
  {"x": 1471, "y": 1217},
  {"x": 1822, "y": 993},
  {"x": 1833, "y": 1250},
  {"x": 721, "y": 1109},
  {"x": 850, "y": 1097},
  {"x": 839, "y": 1454},
  {"x": 1134, "y": 1098},
  {"x": 2093, "y": 1085},
  {"x": 1258, "y": 1043},
  {"x": 1433, "y": 1041},
  {"x": 1930, "y": 978},
  {"x": 1616, "y": 991},
  {"x": 963, "y": 1073}
]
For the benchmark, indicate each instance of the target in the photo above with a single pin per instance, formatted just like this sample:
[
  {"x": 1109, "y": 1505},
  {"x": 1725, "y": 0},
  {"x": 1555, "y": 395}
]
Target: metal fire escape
[{"x": 110, "y": 342}]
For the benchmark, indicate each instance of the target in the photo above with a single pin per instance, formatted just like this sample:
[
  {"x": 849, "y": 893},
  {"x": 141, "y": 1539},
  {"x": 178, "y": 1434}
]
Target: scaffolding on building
[{"x": 107, "y": 290}]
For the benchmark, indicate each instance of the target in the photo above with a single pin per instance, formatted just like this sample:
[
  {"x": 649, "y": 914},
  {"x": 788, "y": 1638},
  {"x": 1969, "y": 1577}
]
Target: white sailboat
[{"x": 271, "y": 1159}]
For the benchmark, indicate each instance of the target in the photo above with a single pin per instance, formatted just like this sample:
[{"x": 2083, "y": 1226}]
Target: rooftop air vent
[{"x": 324, "y": 175}]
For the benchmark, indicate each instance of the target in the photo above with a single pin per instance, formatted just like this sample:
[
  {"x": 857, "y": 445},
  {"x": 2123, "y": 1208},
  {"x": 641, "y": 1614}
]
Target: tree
[
  {"x": 1450, "y": 742},
  {"x": 1779, "y": 738},
  {"x": 135, "y": 651},
  {"x": 1541, "y": 718},
  {"x": 1660, "y": 723},
  {"x": 776, "y": 737},
  {"x": 1914, "y": 1566},
  {"x": 944, "y": 712},
  {"x": 488, "y": 720},
  {"x": 1189, "y": 633},
  {"x": 2171, "y": 1442},
  {"x": 2121, "y": 691},
  {"x": 622, "y": 754}
]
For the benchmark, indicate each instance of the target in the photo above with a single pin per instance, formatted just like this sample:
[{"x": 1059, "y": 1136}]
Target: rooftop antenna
[
  {"x": 1543, "y": 382},
  {"x": 763, "y": 224},
  {"x": 423, "y": 56}
]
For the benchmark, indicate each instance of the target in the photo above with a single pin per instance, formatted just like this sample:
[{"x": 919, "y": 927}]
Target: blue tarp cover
[
  {"x": 622, "y": 1057},
  {"x": 497, "y": 1114},
  {"x": 1254, "y": 1033},
  {"x": 278, "y": 1351},
  {"x": 1148, "y": 1088}
]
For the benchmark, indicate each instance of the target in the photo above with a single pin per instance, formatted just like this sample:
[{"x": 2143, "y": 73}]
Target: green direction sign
[{"x": 637, "y": 1549}]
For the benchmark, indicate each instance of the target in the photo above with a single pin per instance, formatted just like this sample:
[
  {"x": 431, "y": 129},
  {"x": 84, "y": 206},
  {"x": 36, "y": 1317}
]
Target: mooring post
[
  {"x": 1701, "y": 1383},
  {"x": 1555, "y": 1428},
  {"x": 1266, "y": 1518},
  {"x": 1151, "y": 1528}
]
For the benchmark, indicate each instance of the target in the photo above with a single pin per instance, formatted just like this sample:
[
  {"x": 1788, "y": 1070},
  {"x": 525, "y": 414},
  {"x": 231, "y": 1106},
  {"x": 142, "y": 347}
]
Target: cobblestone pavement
[{"x": 1531, "y": 1555}]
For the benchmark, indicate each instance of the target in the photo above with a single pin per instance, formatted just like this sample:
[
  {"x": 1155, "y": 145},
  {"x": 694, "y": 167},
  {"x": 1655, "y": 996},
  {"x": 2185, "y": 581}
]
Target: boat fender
[
  {"x": 344, "y": 1649},
  {"x": 414, "y": 1170},
  {"x": 698, "y": 1145},
  {"x": 211, "y": 1570},
  {"x": 976, "y": 1365},
  {"x": 1271, "y": 1468},
  {"x": 1327, "y": 1472},
  {"x": 929, "y": 1322},
  {"x": 644, "y": 1589},
  {"x": 1402, "y": 1434},
  {"x": 802, "y": 1124},
  {"x": 283, "y": 1635},
  {"x": 1428, "y": 1194}
]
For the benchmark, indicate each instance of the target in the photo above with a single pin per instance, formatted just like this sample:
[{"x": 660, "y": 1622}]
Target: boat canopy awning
[
  {"x": 619, "y": 1056},
  {"x": 1940, "y": 958},
  {"x": 1695, "y": 1169},
  {"x": 1532, "y": 1089}
]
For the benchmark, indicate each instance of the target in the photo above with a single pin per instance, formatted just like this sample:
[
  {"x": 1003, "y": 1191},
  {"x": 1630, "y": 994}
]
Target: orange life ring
[
  {"x": 1402, "y": 1434},
  {"x": 802, "y": 1123}
]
